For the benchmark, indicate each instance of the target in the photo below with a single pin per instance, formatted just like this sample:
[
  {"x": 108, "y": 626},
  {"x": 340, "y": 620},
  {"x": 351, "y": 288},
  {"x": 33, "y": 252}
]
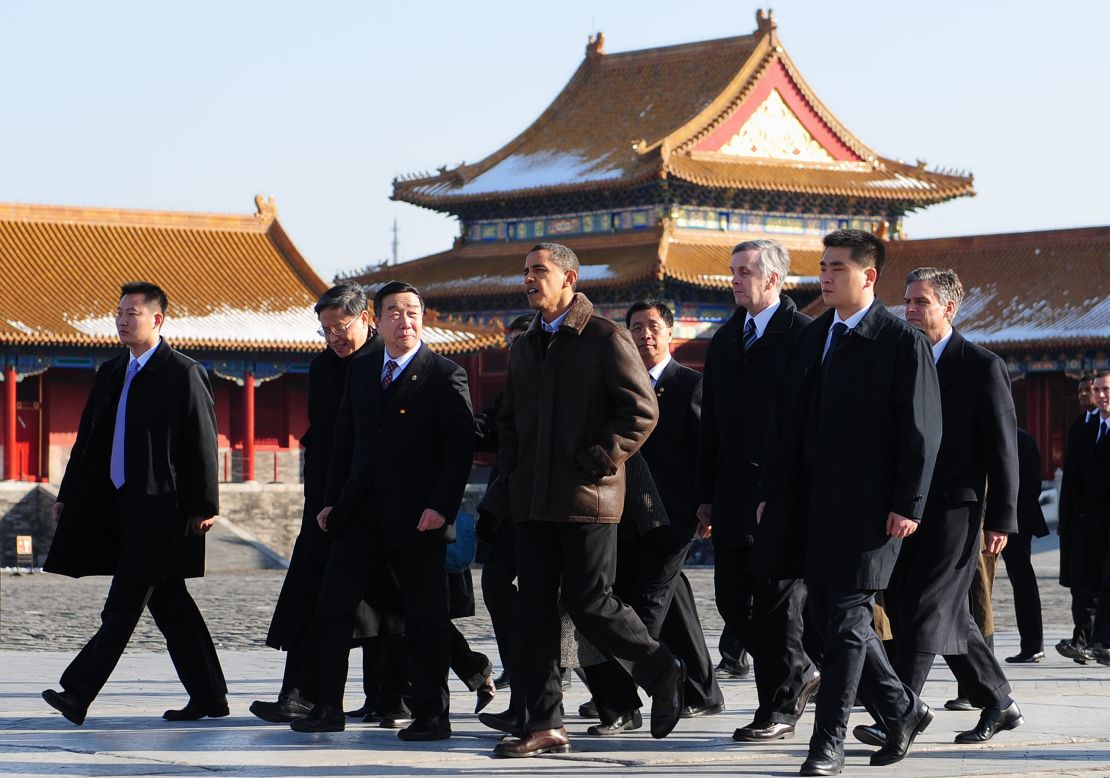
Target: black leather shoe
[
  {"x": 67, "y": 704},
  {"x": 391, "y": 719},
  {"x": 763, "y": 732},
  {"x": 728, "y": 669},
  {"x": 667, "y": 699},
  {"x": 991, "y": 722},
  {"x": 502, "y": 722},
  {"x": 822, "y": 761},
  {"x": 959, "y": 703},
  {"x": 898, "y": 741},
  {"x": 625, "y": 722},
  {"x": 588, "y": 710},
  {"x": 1100, "y": 654},
  {"x": 360, "y": 713},
  {"x": 1072, "y": 651},
  {"x": 485, "y": 694},
  {"x": 870, "y": 734},
  {"x": 195, "y": 711},
  {"x": 426, "y": 729},
  {"x": 809, "y": 688},
  {"x": 322, "y": 718},
  {"x": 288, "y": 707},
  {"x": 502, "y": 681},
  {"x": 1026, "y": 658},
  {"x": 694, "y": 711}
]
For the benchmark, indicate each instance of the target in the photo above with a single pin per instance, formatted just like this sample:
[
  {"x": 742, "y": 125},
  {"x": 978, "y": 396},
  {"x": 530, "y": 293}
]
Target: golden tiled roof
[
  {"x": 624, "y": 119},
  {"x": 1022, "y": 290},
  {"x": 235, "y": 282},
  {"x": 495, "y": 269}
]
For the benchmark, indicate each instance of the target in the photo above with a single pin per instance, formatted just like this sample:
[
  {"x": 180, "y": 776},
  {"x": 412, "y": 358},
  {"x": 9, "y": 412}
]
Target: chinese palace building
[
  {"x": 241, "y": 299},
  {"x": 652, "y": 164}
]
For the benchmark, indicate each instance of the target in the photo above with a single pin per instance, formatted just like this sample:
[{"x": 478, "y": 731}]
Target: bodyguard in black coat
[
  {"x": 404, "y": 441},
  {"x": 743, "y": 371},
  {"x": 927, "y": 599},
  {"x": 139, "y": 493},
  {"x": 649, "y": 575},
  {"x": 861, "y": 431}
]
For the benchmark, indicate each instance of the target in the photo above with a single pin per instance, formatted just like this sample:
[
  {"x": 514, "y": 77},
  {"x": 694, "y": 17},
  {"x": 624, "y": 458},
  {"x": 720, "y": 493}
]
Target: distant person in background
[
  {"x": 1017, "y": 555},
  {"x": 139, "y": 494}
]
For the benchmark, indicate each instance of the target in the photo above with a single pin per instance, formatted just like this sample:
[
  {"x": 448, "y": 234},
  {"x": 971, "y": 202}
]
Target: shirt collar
[
  {"x": 938, "y": 347},
  {"x": 145, "y": 357},
  {"x": 657, "y": 371},
  {"x": 401, "y": 361},
  {"x": 1090, "y": 414},
  {"x": 763, "y": 318},
  {"x": 852, "y": 320},
  {"x": 553, "y": 326}
]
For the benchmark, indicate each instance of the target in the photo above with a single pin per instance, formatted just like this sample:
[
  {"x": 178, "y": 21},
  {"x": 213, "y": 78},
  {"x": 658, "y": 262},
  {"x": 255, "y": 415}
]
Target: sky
[{"x": 199, "y": 106}]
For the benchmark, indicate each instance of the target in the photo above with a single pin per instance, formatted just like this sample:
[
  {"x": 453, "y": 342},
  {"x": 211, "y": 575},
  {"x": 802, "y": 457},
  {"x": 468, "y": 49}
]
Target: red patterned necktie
[{"x": 387, "y": 379}]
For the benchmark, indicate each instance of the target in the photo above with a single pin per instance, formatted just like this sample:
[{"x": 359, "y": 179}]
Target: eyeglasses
[{"x": 337, "y": 330}]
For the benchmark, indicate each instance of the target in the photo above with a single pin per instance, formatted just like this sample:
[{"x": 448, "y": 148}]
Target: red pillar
[
  {"x": 9, "y": 423},
  {"x": 248, "y": 426}
]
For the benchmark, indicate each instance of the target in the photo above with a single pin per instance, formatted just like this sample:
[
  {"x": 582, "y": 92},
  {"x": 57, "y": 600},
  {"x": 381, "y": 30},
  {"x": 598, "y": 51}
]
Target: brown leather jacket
[{"x": 572, "y": 416}]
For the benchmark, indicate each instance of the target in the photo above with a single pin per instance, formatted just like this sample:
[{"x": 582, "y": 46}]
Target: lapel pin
[
  {"x": 402, "y": 410},
  {"x": 413, "y": 378}
]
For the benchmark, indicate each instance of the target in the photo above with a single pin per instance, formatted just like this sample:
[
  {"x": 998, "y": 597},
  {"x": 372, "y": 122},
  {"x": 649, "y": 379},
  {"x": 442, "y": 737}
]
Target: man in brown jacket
[{"x": 578, "y": 404}]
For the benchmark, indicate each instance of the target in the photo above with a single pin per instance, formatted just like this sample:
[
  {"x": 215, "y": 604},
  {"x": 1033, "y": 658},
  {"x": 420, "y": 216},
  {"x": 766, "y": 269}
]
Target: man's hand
[
  {"x": 705, "y": 520},
  {"x": 994, "y": 542},
  {"x": 322, "y": 518},
  {"x": 430, "y": 520},
  {"x": 899, "y": 526},
  {"x": 759, "y": 511},
  {"x": 201, "y": 524},
  {"x": 56, "y": 510}
]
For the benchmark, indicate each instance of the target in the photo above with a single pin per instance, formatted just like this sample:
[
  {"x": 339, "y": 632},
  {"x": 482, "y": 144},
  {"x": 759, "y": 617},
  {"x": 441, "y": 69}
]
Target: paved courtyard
[{"x": 44, "y": 619}]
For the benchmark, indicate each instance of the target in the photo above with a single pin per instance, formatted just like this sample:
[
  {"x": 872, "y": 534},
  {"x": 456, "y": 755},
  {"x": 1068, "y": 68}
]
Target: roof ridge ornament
[
  {"x": 765, "y": 22},
  {"x": 267, "y": 209},
  {"x": 595, "y": 46}
]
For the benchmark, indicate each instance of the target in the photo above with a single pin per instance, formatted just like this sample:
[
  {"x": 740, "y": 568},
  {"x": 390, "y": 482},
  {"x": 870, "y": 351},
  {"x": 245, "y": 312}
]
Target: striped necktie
[{"x": 750, "y": 335}]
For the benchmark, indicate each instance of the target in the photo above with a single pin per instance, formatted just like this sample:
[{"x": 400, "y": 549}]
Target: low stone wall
[{"x": 25, "y": 510}]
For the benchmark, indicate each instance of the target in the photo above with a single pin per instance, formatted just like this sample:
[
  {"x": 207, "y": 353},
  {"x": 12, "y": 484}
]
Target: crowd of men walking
[{"x": 856, "y": 473}]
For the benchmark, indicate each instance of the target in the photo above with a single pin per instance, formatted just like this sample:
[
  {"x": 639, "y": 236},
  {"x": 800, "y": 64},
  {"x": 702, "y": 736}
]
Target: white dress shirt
[
  {"x": 938, "y": 347},
  {"x": 850, "y": 323},
  {"x": 401, "y": 361},
  {"x": 657, "y": 370},
  {"x": 762, "y": 319}
]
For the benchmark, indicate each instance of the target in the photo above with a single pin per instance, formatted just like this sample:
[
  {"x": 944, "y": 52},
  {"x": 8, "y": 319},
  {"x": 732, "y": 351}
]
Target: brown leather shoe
[
  {"x": 545, "y": 741},
  {"x": 809, "y": 688}
]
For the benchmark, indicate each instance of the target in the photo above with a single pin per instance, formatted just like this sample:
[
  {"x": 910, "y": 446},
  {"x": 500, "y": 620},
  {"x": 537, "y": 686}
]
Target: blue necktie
[
  {"x": 838, "y": 331},
  {"x": 117, "y": 471},
  {"x": 750, "y": 336},
  {"x": 1103, "y": 431}
]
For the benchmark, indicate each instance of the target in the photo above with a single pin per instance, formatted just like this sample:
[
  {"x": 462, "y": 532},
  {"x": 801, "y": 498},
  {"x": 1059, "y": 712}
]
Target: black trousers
[
  {"x": 978, "y": 675},
  {"x": 355, "y": 558},
  {"x": 498, "y": 590},
  {"x": 582, "y": 558},
  {"x": 1100, "y": 630},
  {"x": 1017, "y": 555},
  {"x": 650, "y": 581},
  {"x": 855, "y": 663},
  {"x": 470, "y": 666},
  {"x": 137, "y": 585},
  {"x": 767, "y": 616}
]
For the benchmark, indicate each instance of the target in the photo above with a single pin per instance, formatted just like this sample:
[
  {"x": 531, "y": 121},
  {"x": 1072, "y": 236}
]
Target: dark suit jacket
[
  {"x": 928, "y": 594},
  {"x": 1030, "y": 517},
  {"x": 740, "y": 391},
  {"x": 1085, "y": 506},
  {"x": 851, "y": 451},
  {"x": 396, "y": 455},
  {"x": 669, "y": 450},
  {"x": 171, "y": 473}
]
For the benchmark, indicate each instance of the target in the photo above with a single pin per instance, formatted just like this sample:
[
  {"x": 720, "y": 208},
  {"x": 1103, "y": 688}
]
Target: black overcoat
[
  {"x": 928, "y": 595},
  {"x": 1030, "y": 516},
  {"x": 397, "y": 454},
  {"x": 740, "y": 389},
  {"x": 327, "y": 379},
  {"x": 1085, "y": 507},
  {"x": 851, "y": 451},
  {"x": 170, "y": 472}
]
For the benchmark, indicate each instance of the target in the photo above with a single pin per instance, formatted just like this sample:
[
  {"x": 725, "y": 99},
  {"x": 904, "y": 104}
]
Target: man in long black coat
[
  {"x": 404, "y": 441},
  {"x": 927, "y": 599},
  {"x": 860, "y": 433},
  {"x": 743, "y": 370},
  {"x": 345, "y": 324},
  {"x": 139, "y": 493},
  {"x": 649, "y": 576}
]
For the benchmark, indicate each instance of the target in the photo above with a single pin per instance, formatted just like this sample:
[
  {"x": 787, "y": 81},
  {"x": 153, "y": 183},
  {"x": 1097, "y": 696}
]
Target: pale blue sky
[{"x": 200, "y": 105}]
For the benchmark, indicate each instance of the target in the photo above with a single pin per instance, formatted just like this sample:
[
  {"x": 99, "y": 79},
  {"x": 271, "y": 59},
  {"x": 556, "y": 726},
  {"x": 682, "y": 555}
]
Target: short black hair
[
  {"x": 395, "y": 287},
  {"x": 665, "y": 312},
  {"x": 867, "y": 247},
  {"x": 151, "y": 293},
  {"x": 521, "y": 322},
  {"x": 348, "y": 297}
]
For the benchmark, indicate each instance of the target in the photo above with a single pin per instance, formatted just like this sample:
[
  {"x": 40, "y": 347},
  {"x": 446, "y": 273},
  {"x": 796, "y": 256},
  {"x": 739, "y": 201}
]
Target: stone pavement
[{"x": 43, "y": 619}]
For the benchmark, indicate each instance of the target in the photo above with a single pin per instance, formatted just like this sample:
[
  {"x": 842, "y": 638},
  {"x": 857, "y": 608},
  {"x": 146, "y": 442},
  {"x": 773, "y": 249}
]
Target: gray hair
[
  {"x": 945, "y": 282},
  {"x": 349, "y": 297},
  {"x": 773, "y": 258},
  {"x": 561, "y": 255}
]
